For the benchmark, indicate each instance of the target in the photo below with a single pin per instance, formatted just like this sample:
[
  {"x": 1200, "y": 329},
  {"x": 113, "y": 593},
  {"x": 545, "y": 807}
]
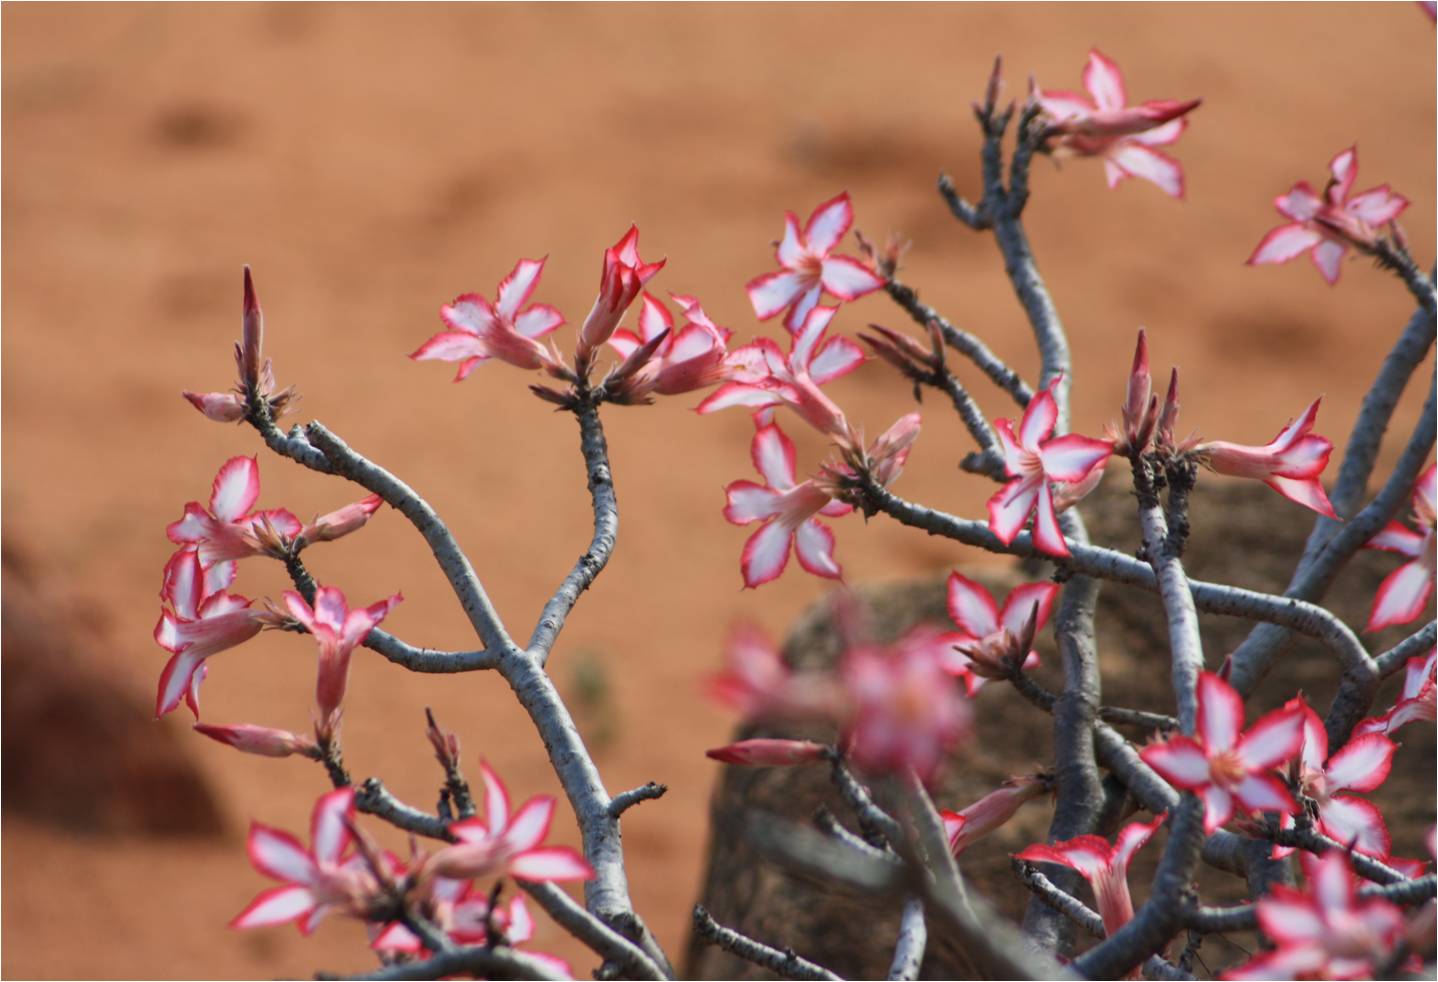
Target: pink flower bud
[
  {"x": 888, "y": 453},
  {"x": 1168, "y": 418},
  {"x": 1140, "y": 409},
  {"x": 620, "y": 280},
  {"x": 261, "y": 740},
  {"x": 342, "y": 521},
  {"x": 769, "y": 753},
  {"x": 991, "y": 812},
  {"x": 222, "y": 407},
  {"x": 253, "y": 335}
]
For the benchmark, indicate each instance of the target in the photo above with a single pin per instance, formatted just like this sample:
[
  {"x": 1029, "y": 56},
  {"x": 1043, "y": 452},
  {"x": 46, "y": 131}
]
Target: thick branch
[
  {"x": 909, "y": 948},
  {"x": 606, "y": 529},
  {"x": 609, "y": 944}
]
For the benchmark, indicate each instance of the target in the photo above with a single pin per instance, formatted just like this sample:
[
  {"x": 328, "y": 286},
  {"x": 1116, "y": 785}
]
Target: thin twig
[
  {"x": 626, "y": 800},
  {"x": 785, "y": 964}
]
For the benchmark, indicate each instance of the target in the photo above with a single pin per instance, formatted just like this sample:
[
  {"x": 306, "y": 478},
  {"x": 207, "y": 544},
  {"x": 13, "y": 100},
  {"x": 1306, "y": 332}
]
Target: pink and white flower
[
  {"x": 479, "y": 330},
  {"x": 768, "y": 378},
  {"x": 1362, "y": 765},
  {"x": 504, "y": 844},
  {"x": 1035, "y": 458},
  {"x": 1225, "y": 765},
  {"x": 906, "y": 713},
  {"x": 317, "y": 880},
  {"x": 991, "y": 812},
  {"x": 338, "y": 631},
  {"x": 659, "y": 361},
  {"x": 1104, "y": 125},
  {"x": 620, "y": 278},
  {"x": 785, "y": 511},
  {"x": 1324, "y": 931},
  {"x": 1104, "y": 866},
  {"x": 759, "y": 685},
  {"x": 1415, "y": 702},
  {"x": 228, "y": 528},
  {"x": 1405, "y": 592},
  {"x": 461, "y": 910},
  {"x": 264, "y": 741},
  {"x": 1325, "y": 226},
  {"x": 808, "y": 268},
  {"x": 199, "y": 619},
  {"x": 993, "y": 640},
  {"x": 1290, "y": 463}
]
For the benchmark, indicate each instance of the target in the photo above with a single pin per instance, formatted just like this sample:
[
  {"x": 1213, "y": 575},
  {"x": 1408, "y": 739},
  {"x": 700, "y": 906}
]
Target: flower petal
[
  {"x": 528, "y": 827},
  {"x": 329, "y": 825},
  {"x": 773, "y": 292},
  {"x": 1362, "y": 765},
  {"x": 538, "y": 321},
  {"x": 451, "y": 346},
  {"x": 1179, "y": 761},
  {"x": 748, "y": 502},
  {"x": 516, "y": 288},
  {"x": 1220, "y": 713},
  {"x": 1328, "y": 257},
  {"x": 1264, "y": 793},
  {"x": 971, "y": 607},
  {"x": 549, "y": 864},
  {"x": 1070, "y": 458},
  {"x": 1020, "y": 603},
  {"x": 1217, "y": 808},
  {"x": 814, "y": 546},
  {"x": 773, "y": 454},
  {"x": 737, "y": 394},
  {"x": 790, "y": 251},
  {"x": 1104, "y": 81},
  {"x": 1306, "y": 492},
  {"x": 828, "y": 223},
  {"x": 236, "y": 488},
  {"x": 848, "y": 279},
  {"x": 1038, "y": 422},
  {"x": 1357, "y": 823},
  {"x": 1377, "y": 206},
  {"x": 1401, "y": 596},
  {"x": 1275, "y": 739},
  {"x": 1158, "y": 168},
  {"x": 470, "y": 313},
  {"x": 1048, "y": 537},
  {"x": 1300, "y": 203},
  {"x": 496, "y": 800},
  {"x": 1283, "y": 244},
  {"x": 837, "y": 358},
  {"x": 765, "y": 554},
  {"x": 276, "y": 906},
  {"x": 279, "y": 855},
  {"x": 1011, "y": 506}
]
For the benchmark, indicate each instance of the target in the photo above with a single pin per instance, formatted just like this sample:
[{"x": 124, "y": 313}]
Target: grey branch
[
  {"x": 626, "y": 800},
  {"x": 785, "y": 964},
  {"x": 1397, "y": 656},
  {"x": 475, "y": 962},
  {"x": 606, "y": 530},
  {"x": 963, "y": 342},
  {"x": 604, "y": 941},
  {"x": 373, "y": 798},
  {"x": 1244, "y": 917},
  {"x": 909, "y": 948},
  {"x": 452, "y": 560},
  {"x": 877, "y": 825}
]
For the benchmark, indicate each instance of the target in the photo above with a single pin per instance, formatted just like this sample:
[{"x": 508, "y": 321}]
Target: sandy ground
[{"x": 371, "y": 162}]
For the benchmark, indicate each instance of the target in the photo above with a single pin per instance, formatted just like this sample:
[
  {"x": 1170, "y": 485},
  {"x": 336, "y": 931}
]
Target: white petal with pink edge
[
  {"x": 538, "y": 321},
  {"x": 806, "y": 302},
  {"x": 773, "y": 292},
  {"x": 1362, "y": 765},
  {"x": 971, "y": 607},
  {"x": 1104, "y": 81},
  {"x": 773, "y": 455},
  {"x": 451, "y": 346},
  {"x": 790, "y": 251},
  {"x": 1308, "y": 493},
  {"x": 1284, "y": 243},
  {"x": 516, "y": 288},
  {"x": 1328, "y": 257},
  {"x": 470, "y": 314},
  {"x": 1138, "y": 160},
  {"x": 1061, "y": 104},
  {"x": 1398, "y": 538},
  {"x": 814, "y": 547},
  {"x": 1299, "y": 204},
  {"x": 278, "y": 855},
  {"x": 1264, "y": 793},
  {"x": 1377, "y": 207},
  {"x": 1401, "y": 596},
  {"x": 1290, "y": 918},
  {"x": 749, "y": 502},
  {"x": 175, "y": 679},
  {"x": 1011, "y": 506},
  {"x": 236, "y": 487},
  {"x": 849, "y": 279},
  {"x": 1133, "y": 837},
  {"x": 1163, "y": 134},
  {"x": 828, "y": 223},
  {"x": 278, "y": 906},
  {"x": 1019, "y": 604},
  {"x": 1275, "y": 739},
  {"x": 530, "y": 824},
  {"x": 1220, "y": 713},
  {"x": 1070, "y": 458},
  {"x": 1038, "y": 422},
  {"x": 1179, "y": 761},
  {"x": 835, "y": 359},
  {"x": 329, "y": 831},
  {"x": 1353, "y": 821},
  {"x": 1344, "y": 168},
  {"x": 1217, "y": 808},
  {"x": 765, "y": 554},
  {"x": 496, "y": 800},
  {"x": 1048, "y": 537},
  {"x": 737, "y": 394},
  {"x": 548, "y": 864}
]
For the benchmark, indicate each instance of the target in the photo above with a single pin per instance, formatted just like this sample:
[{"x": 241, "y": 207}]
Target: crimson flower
[
  {"x": 1325, "y": 226},
  {"x": 993, "y": 640},
  {"x": 1104, "y": 866},
  {"x": 808, "y": 268},
  {"x": 905, "y": 711},
  {"x": 658, "y": 360},
  {"x": 1415, "y": 702},
  {"x": 199, "y": 620},
  {"x": 1362, "y": 765},
  {"x": 785, "y": 511},
  {"x": 1034, "y": 458},
  {"x": 1225, "y": 765},
  {"x": 991, "y": 812},
  {"x": 317, "y": 880},
  {"x": 1124, "y": 136},
  {"x": 507, "y": 845},
  {"x": 620, "y": 278},
  {"x": 1290, "y": 463},
  {"x": 767, "y": 378},
  {"x": 228, "y": 529},
  {"x": 768, "y": 752},
  {"x": 338, "y": 631},
  {"x": 1324, "y": 931},
  {"x": 480, "y": 330},
  {"x": 1405, "y": 592}
]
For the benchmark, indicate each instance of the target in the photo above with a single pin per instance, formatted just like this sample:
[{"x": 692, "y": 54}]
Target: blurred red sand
[{"x": 371, "y": 162}]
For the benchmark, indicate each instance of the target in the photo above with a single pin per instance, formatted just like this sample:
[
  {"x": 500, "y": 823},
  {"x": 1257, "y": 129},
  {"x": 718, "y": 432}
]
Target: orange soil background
[{"x": 372, "y": 161}]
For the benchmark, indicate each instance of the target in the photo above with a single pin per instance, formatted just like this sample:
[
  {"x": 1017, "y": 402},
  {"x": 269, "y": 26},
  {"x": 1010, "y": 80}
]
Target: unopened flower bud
[
  {"x": 222, "y": 407},
  {"x": 261, "y": 740},
  {"x": 769, "y": 753},
  {"x": 341, "y": 521}
]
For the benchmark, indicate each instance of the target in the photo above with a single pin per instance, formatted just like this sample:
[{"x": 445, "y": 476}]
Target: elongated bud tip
[
  {"x": 769, "y": 753},
  {"x": 1140, "y": 353},
  {"x": 252, "y": 305},
  {"x": 253, "y": 336}
]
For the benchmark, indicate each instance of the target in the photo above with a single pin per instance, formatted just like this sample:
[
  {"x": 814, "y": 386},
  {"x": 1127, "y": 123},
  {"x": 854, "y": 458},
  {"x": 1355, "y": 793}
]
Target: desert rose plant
[{"x": 1214, "y": 778}]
